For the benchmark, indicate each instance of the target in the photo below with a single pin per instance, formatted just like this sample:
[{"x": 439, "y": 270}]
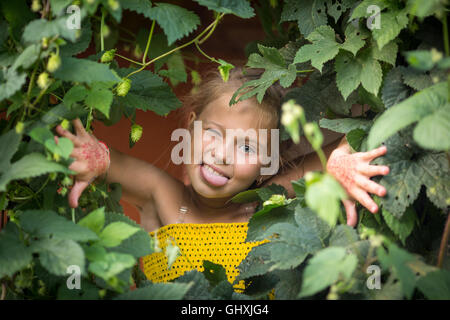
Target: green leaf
[
  {"x": 363, "y": 69},
  {"x": 435, "y": 285},
  {"x": 176, "y": 22},
  {"x": 246, "y": 196},
  {"x": 411, "y": 110},
  {"x": 14, "y": 255},
  {"x": 11, "y": 81},
  {"x": 94, "y": 220},
  {"x": 75, "y": 94},
  {"x": 42, "y": 28},
  {"x": 56, "y": 255},
  {"x": 338, "y": 7},
  {"x": 100, "y": 99},
  {"x": 92, "y": 71},
  {"x": 325, "y": 268},
  {"x": 401, "y": 227},
  {"x": 355, "y": 138},
  {"x": 309, "y": 14},
  {"x": 345, "y": 125},
  {"x": 27, "y": 58},
  {"x": 172, "y": 252},
  {"x": 323, "y": 48},
  {"x": 354, "y": 39},
  {"x": 31, "y": 165},
  {"x": 343, "y": 236},
  {"x": 394, "y": 90},
  {"x": 398, "y": 259},
  {"x": 387, "y": 54},
  {"x": 149, "y": 92},
  {"x": 214, "y": 273},
  {"x": 58, "y": 5},
  {"x": 82, "y": 43},
  {"x": 9, "y": 143},
  {"x": 114, "y": 233},
  {"x": 256, "y": 263},
  {"x": 423, "y": 60},
  {"x": 111, "y": 265},
  {"x": 44, "y": 223},
  {"x": 158, "y": 291},
  {"x": 240, "y": 8},
  {"x": 143, "y": 7},
  {"x": 433, "y": 131},
  {"x": 324, "y": 196}
]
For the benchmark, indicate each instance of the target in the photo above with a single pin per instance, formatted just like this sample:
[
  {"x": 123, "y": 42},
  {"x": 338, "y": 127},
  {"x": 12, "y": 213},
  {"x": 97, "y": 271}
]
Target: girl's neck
[{"x": 211, "y": 206}]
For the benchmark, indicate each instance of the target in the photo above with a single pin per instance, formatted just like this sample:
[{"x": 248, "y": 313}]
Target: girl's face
[{"x": 229, "y": 164}]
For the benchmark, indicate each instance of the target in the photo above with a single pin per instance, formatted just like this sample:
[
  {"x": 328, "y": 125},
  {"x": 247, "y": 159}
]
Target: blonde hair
[{"x": 213, "y": 86}]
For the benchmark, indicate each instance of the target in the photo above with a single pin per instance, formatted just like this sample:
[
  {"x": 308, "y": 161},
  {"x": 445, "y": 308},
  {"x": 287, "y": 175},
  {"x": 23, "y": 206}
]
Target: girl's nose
[{"x": 222, "y": 153}]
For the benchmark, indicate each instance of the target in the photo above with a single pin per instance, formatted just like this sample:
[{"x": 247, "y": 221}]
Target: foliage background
[{"x": 400, "y": 71}]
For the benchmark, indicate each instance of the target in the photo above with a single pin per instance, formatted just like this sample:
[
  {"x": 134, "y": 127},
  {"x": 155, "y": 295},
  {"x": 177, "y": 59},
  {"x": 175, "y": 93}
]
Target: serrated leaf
[
  {"x": 391, "y": 23},
  {"x": 114, "y": 233},
  {"x": 323, "y": 48},
  {"x": 325, "y": 268},
  {"x": 82, "y": 43},
  {"x": 355, "y": 138},
  {"x": 401, "y": 227},
  {"x": 75, "y": 94},
  {"x": 256, "y": 263},
  {"x": 338, "y": 7},
  {"x": 354, "y": 39},
  {"x": 176, "y": 22},
  {"x": 309, "y": 14},
  {"x": 143, "y": 7},
  {"x": 27, "y": 57},
  {"x": 56, "y": 255},
  {"x": 31, "y": 165},
  {"x": 92, "y": 71},
  {"x": 407, "y": 112},
  {"x": 387, "y": 54},
  {"x": 240, "y": 8},
  {"x": 44, "y": 223},
  {"x": 351, "y": 72}
]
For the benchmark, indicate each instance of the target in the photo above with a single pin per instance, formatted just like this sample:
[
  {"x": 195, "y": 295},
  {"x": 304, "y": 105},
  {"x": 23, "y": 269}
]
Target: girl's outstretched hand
[
  {"x": 354, "y": 171},
  {"x": 91, "y": 159}
]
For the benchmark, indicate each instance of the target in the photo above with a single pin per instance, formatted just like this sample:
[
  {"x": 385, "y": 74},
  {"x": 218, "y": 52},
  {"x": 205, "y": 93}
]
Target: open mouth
[{"x": 212, "y": 175}]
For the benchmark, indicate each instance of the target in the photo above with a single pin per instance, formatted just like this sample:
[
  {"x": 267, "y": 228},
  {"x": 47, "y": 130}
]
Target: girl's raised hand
[
  {"x": 354, "y": 171},
  {"x": 91, "y": 159}
]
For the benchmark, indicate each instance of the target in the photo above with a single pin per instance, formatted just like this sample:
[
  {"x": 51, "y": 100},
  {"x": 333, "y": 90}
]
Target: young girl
[{"x": 163, "y": 200}]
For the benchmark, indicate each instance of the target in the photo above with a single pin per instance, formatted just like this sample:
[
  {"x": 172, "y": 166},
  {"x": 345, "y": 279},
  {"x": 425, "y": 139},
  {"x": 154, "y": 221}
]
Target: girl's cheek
[{"x": 247, "y": 172}]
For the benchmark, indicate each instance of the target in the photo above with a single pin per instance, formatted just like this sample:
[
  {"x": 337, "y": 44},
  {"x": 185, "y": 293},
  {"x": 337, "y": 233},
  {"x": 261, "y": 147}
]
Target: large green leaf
[
  {"x": 435, "y": 285},
  {"x": 31, "y": 165},
  {"x": 44, "y": 223},
  {"x": 149, "y": 92},
  {"x": 401, "y": 227},
  {"x": 413, "y": 109},
  {"x": 352, "y": 71},
  {"x": 175, "y": 21},
  {"x": 143, "y": 7},
  {"x": 325, "y": 268},
  {"x": 91, "y": 71},
  {"x": 433, "y": 131},
  {"x": 111, "y": 264},
  {"x": 240, "y": 8},
  {"x": 309, "y": 14},
  {"x": 56, "y": 255},
  {"x": 94, "y": 220},
  {"x": 345, "y": 125},
  {"x": 114, "y": 233},
  {"x": 42, "y": 28},
  {"x": 100, "y": 99},
  {"x": 11, "y": 81}
]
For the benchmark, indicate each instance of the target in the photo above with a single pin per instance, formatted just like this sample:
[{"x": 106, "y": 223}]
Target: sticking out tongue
[{"x": 212, "y": 178}]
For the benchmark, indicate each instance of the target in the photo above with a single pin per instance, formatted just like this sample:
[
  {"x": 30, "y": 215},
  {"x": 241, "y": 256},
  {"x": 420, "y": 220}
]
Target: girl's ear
[{"x": 191, "y": 118}]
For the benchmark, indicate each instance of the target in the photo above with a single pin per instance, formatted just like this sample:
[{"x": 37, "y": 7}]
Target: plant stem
[
  {"x": 102, "y": 24},
  {"x": 177, "y": 48},
  {"x": 304, "y": 71},
  {"x": 89, "y": 119},
  {"x": 445, "y": 35},
  {"x": 444, "y": 242},
  {"x": 73, "y": 215},
  {"x": 203, "y": 53},
  {"x": 148, "y": 42},
  {"x": 128, "y": 59}
]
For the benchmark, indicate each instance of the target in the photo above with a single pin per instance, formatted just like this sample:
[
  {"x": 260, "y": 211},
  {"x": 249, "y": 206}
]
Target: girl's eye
[{"x": 247, "y": 148}]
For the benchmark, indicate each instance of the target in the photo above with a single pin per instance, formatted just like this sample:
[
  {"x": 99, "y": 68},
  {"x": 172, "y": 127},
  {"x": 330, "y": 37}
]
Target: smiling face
[{"x": 230, "y": 162}]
